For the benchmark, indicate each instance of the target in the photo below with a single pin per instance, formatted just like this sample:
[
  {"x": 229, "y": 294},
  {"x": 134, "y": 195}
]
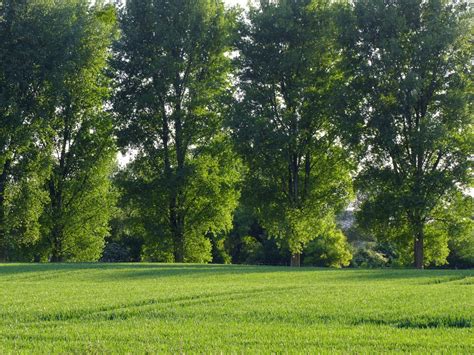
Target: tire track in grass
[{"x": 103, "y": 313}]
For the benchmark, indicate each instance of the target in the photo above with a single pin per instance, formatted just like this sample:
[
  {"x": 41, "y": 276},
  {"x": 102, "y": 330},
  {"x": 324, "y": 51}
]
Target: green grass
[{"x": 136, "y": 308}]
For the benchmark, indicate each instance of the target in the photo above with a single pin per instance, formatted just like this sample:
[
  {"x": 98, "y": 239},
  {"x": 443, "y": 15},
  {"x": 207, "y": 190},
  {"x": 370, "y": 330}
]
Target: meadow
[{"x": 137, "y": 308}]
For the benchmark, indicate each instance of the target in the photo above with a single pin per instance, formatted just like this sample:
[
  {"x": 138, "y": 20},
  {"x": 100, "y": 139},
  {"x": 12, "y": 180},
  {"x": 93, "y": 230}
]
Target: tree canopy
[
  {"x": 411, "y": 63},
  {"x": 283, "y": 123},
  {"x": 314, "y": 132},
  {"x": 172, "y": 74},
  {"x": 57, "y": 143}
]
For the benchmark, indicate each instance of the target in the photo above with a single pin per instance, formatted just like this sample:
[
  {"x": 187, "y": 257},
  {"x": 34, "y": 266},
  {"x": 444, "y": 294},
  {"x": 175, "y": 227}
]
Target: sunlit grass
[{"x": 203, "y": 308}]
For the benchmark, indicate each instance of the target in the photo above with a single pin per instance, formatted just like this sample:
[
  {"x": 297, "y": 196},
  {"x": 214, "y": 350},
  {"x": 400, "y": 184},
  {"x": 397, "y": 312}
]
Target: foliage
[
  {"x": 298, "y": 172},
  {"x": 26, "y": 68},
  {"x": 114, "y": 252},
  {"x": 219, "y": 253},
  {"x": 171, "y": 80},
  {"x": 126, "y": 230},
  {"x": 24, "y": 202},
  {"x": 248, "y": 242},
  {"x": 456, "y": 223},
  {"x": 369, "y": 257},
  {"x": 410, "y": 62},
  {"x": 449, "y": 235},
  {"x": 328, "y": 249},
  {"x": 212, "y": 199},
  {"x": 56, "y": 144},
  {"x": 243, "y": 128},
  {"x": 82, "y": 147}
]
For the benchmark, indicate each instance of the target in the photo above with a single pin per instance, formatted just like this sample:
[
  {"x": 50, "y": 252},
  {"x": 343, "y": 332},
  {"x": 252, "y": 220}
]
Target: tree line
[{"x": 244, "y": 134}]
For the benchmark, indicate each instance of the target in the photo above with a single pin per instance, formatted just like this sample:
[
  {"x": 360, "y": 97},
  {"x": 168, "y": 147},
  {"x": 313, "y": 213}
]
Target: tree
[
  {"x": 26, "y": 67},
  {"x": 75, "y": 221},
  {"x": 410, "y": 60},
  {"x": 172, "y": 72},
  {"x": 298, "y": 175}
]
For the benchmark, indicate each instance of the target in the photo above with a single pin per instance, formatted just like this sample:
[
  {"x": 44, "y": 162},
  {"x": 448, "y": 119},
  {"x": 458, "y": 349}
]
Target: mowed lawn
[{"x": 136, "y": 308}]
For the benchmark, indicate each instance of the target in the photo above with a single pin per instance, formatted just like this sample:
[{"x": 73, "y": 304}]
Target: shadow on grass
[
  {"x": 130, "y": 271},
  {"x": 109, "y": 271}
]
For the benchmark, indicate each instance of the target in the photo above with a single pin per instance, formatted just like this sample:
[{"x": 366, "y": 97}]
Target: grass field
[{"x": 136, "y": 308}]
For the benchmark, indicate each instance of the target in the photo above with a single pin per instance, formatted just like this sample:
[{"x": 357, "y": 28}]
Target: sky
[{"x": 236, "y": 2}]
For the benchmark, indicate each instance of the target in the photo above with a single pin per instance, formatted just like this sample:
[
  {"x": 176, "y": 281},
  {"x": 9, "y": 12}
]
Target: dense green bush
[
  {"x": 367, "y": 257},
  {"x": 330, "y": 249},
  {"x": 114, "y": 252}
]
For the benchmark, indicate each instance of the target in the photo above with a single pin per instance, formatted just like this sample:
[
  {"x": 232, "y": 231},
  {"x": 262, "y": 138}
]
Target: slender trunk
[
  {"x": 290, "y": 180},
  {"x": 296, "y": 260},
  {"x": 294, "y": 178},
  {"x": 171, "y": 181},
  {"x": 178, "y": 242},
  {"x": 418, "y": 247},
  {"x": 56, "y": 193},
  {"x": 56, "y": 235},
  {"x": 418, "y": 194},
  {"x": 174, "y": 176},
  {"x": 307, "y": 173},
  {"x": 3, "y": 232},
  {"x": 294, "y": 168},
  {"x": 293, "y": 193},
  {"x": 57, "y": 251},
  {"x": 179, "y": 237}
]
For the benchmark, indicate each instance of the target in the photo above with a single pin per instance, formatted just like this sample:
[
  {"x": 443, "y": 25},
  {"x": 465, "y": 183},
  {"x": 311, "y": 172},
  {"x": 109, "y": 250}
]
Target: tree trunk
[
  {"x": 172, "y": 181},
  {"x": 295, "y": 260},
  {"x": 57, "y": 253},
  {"x": 56, "y": 235},
  {"x": 418, "y": 248},
  {"x": 178, "y": 239},
  {"x": 179, "y": 181},
  {"x": 3, "y": 232},
  {"x": 56, "y": 191}
]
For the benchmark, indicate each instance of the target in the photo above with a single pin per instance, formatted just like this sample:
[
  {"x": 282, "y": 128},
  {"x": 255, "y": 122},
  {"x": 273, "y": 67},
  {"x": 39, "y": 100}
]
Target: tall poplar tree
[
  {"x": 298, "y": 169},
  {"x": 75, "y": 221},
  {"x": 27, "y": 64},
  {"x": 411, "y": 63},
  {"x": 172, "y": 72}
]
